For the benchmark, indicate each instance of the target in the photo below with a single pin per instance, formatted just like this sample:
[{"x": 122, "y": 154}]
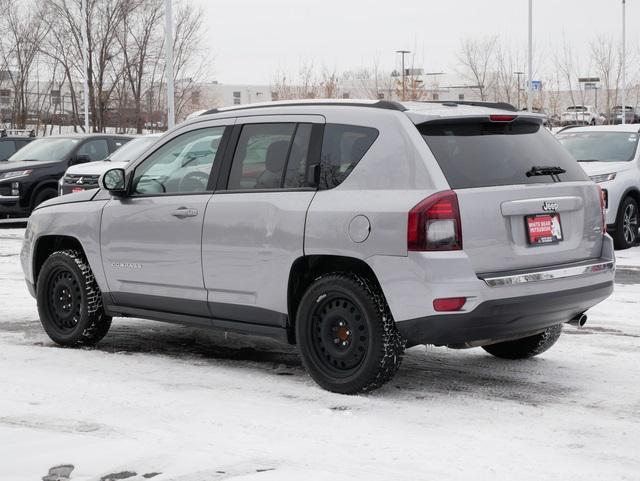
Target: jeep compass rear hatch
[{"x": 524, "y": 201}]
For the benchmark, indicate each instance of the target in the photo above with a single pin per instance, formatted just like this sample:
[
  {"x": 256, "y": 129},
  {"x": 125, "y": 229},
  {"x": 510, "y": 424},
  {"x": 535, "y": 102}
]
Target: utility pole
[
  {"x": 403, "y": 53},
  {"x": 624, "y": 61},
  {"x": 530, "y": 72},
  {"x": 85, "y": 63},
  {"x": 168, "y": 43}
]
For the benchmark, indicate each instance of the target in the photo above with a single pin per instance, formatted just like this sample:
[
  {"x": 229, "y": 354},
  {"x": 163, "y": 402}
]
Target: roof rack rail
[
  {"x": 472, "y": 103},
  {"x": 380, "y": 104},
  {"x": 24, "y": 132}
]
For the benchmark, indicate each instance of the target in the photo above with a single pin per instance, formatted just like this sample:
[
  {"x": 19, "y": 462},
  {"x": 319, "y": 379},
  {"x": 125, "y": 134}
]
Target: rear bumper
[{"x": 501, "y": 319}]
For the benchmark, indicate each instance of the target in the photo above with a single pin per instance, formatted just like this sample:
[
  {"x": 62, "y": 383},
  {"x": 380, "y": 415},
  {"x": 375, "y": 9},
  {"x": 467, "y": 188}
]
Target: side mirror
[{"x": 114, "y": 181}]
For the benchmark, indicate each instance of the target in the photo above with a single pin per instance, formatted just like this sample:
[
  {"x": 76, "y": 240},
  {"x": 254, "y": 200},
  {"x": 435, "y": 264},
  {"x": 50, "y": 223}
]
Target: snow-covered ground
[{"x": 193, "y": 405}]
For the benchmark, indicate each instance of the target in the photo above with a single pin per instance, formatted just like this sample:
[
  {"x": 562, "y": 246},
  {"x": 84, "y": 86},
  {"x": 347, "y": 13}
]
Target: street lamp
[
  {"x": 403, "y": 53},
  {"x": 518, "y": 86}
]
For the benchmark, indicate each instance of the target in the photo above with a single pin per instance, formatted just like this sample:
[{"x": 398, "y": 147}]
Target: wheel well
[
  {"x": 306, "y": 269},
  {"x": 49, "y": 244}
]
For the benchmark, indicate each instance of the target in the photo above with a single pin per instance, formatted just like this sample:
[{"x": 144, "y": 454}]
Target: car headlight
[
  {"x": 603, "y": 177},
  {"x": 15, "y": 174}
]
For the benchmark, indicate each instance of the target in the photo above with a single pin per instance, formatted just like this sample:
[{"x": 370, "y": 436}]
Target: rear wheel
[
  {"x": 346, "y": 335},
  {"x": 626, "y": 234},
  {"x": 527, "y": 346},
  {"x": 70, "y": 302}
]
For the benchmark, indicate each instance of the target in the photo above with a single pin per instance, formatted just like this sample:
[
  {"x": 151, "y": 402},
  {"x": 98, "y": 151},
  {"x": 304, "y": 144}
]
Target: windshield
[
  {"x": 45, "y": 149},
  {"x": 576, "y": 109},
  {"x": 600, "y": 146},
  {"x": 483, "y": 154},
  {"x": 132, "y": 149}
]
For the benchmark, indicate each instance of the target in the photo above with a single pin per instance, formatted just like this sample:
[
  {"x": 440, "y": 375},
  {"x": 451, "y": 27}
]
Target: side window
[
  {"x": 342, "y": 148},
  {"x": 261, "y": 156},
  {"x": 182, "y": 165},
  {"x": 96, "y": 149},
  {"x": 298, "y": 158},
  {"x": 7, "y": 149}
]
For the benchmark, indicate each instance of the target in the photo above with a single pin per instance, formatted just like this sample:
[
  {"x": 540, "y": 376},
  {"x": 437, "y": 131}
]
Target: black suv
[
  {"x": 13, "y": 140},
  {"x": 31, "y": 175}
]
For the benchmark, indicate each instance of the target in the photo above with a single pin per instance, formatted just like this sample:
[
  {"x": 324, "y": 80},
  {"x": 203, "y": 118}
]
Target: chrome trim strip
[
  {"x": 550, "y": 274},
  {"x": 9, "y": 198}
]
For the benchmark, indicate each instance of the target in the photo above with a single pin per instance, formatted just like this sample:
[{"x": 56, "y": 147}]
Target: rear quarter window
[
  {"x": 484, "y": 154},
  {"x": 343, "y": 146}
]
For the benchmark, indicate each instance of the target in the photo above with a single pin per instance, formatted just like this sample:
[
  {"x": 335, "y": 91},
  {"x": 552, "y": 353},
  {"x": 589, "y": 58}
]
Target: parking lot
[{"x": 176, "y": 403}]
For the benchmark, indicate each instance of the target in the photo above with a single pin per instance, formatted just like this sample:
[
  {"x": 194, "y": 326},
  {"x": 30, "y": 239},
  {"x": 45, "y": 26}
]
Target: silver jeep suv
[{"x": 352, "y": 229}]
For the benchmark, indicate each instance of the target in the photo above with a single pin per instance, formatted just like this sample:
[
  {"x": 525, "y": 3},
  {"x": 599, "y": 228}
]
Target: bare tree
[
  {"x": 476, "y": 57},
  {"x": 24, "y": 30}
]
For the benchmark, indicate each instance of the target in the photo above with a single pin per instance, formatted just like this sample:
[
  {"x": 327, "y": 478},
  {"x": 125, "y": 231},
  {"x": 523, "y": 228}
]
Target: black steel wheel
[
  {"x": 69, "y": 301},
  {"x": 346, "y": 335},
  {"x": 627, "y": 223}
]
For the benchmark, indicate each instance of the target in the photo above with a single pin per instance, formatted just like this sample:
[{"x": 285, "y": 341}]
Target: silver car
[{"x": 350, "y": 228}]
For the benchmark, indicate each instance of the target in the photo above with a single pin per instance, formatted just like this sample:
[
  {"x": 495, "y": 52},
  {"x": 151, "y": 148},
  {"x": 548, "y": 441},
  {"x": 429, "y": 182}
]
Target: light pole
[
  {"x": 403, "y": 53},
  {"x": 518, "y": 74},
  {"x": 624, "y": 60},
  {"x": 530, "y": 72},
  {"x": 168, "y": 42}
]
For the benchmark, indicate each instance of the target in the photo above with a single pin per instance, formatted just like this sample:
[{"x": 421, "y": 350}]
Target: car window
[
  {"x": 97, "y": 149},
  {"x": 343, "y": 146},
  {"x": 7, "y": 148},
  {"x": 117, "y": 143},
  {"x": 296, "y": 174},
  {"x": 483, "y": 154},
  {"x": 182, "y": 165},
  {"x": 596, "y": 146},
  {"x": 261, "y": 156}
]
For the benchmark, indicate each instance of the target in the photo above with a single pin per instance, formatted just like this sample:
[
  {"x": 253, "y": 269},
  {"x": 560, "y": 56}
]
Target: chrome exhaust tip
[{"x": 579, "y": 321}]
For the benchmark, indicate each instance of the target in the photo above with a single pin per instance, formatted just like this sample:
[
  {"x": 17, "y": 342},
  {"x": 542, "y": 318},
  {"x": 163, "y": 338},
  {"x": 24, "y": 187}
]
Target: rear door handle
[{"x": 183, "y": 212}]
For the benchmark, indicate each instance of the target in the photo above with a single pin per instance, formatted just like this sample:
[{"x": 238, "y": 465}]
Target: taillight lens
[
  {"x": 603, "y": 208},
  {"x": 434, "y": 224}
]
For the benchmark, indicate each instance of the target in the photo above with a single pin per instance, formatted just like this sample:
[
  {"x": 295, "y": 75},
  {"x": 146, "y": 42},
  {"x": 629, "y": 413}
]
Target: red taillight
[
  {"x": 603, "y": 209},
  {"x": 434, "y": 224},
  {"x": 449, "y": 304},
  {"x": 502, "y": 118}
]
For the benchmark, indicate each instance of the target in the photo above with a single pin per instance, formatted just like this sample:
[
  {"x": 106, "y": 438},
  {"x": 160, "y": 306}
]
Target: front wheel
[
  {"x": 626, "y": 234},
  {"x": 347, "y": 338},
  {"x": 527, "y": 346},
  {"x": 70, "y": 302}
]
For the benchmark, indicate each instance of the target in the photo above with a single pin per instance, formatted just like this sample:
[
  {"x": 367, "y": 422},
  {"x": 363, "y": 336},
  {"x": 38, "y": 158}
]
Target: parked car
[
  {"x": 12, "y": 140},
  {"x": 351, "y": 228},
  {"x": 632, "y": 115},
  {"x": 609, "y": 154},
  {"x": 581, "y": 115},
  {"x": 85, "y": 176},
  {"x": 31, "y": 175}
]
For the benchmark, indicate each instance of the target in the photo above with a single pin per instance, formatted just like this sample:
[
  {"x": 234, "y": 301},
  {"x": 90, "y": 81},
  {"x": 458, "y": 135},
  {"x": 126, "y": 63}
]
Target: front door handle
[{"x": 183, "y": 212}]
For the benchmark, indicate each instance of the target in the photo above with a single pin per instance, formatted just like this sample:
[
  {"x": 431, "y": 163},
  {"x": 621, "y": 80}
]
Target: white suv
[
  {"x": 581, "y": 115},
  {"x": 609, "y": 155}
]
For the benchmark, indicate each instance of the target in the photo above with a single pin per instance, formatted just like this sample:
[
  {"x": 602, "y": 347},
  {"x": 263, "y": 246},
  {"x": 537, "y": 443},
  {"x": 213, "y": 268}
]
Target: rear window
[{"x": 484, "y": 154}]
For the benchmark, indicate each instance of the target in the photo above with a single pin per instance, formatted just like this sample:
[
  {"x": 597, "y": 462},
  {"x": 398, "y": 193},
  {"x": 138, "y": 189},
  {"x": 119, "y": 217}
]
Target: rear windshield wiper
[{"x": 546, "y": 170}]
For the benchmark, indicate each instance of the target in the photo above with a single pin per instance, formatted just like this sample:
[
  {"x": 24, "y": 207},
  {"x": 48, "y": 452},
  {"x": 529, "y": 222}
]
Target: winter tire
[
  {"x": 626, "y": 234},
  {"x": 347, "y": 338},
  {"x": 527, "y": 346},
  {"x": 70, "y": 302}
]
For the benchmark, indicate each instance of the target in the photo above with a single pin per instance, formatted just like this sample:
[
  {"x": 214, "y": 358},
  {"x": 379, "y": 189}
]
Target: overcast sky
[{"x": 253, "y": 39}]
